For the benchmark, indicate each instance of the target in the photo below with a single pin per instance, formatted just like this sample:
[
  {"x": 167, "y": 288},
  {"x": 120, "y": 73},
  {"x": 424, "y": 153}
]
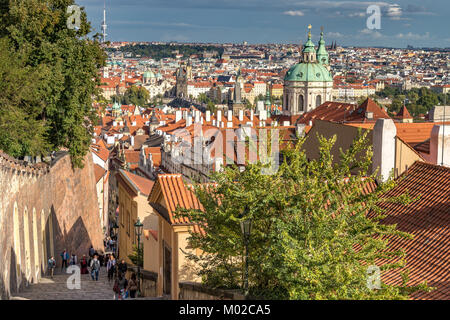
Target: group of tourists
[
  {"x": 110, "y": 244},
  {"x": 123, "y": 288}
]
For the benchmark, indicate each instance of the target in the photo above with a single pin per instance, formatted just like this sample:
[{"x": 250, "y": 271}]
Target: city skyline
[{"x": 403, "y": 23}]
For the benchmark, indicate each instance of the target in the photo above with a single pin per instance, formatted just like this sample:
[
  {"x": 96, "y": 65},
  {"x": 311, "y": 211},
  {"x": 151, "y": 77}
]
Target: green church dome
[
  {"x": 149, "y": 74},
  {"x": 308, "y": 72},
  {"x": 116, "y": 106}
]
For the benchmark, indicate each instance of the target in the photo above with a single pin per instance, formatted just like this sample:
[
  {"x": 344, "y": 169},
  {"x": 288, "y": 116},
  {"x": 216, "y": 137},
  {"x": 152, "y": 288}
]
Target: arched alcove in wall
[
  {"x": 318, "y": 100},
  {"x": 26, "y": 234},
  {"x": 300, "y": 103},
  {"x": 43, "y": 241},
  {"x": 17, "y": 251},
  {"x": 35, "y": 247}
]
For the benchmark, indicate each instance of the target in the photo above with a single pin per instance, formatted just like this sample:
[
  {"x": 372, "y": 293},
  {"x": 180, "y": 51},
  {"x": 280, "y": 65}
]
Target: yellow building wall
[
  {"x": 130, "y": 208},
  {"x": 405, "y": 156}
]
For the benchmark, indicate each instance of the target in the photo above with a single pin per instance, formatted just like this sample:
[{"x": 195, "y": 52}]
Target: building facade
[{"x": 309, "y": 83}]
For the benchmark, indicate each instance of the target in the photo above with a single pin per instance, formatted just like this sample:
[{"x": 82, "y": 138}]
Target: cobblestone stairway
[{"x": 56, "y": 289}]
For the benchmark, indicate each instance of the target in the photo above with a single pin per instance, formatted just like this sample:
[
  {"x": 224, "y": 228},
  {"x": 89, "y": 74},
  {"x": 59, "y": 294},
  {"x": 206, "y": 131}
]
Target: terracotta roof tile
[
  {"x": 177, "y": 194},
  {"x": 144, "y": 185},
  {"x": 428, "y": 219},
  {"x": 99, "y": 172}
]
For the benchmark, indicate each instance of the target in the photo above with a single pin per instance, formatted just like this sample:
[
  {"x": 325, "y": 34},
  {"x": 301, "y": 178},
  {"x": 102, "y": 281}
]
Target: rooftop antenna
[{"x": 104, "y": 26}]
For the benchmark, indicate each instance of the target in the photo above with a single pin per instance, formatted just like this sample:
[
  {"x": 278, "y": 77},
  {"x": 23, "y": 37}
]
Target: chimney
[
  {"x": 178, "y": 115},
  {"x": 241, "y": 115},
  {"x": 369, "y": 115},
  {"x": 251, "y": 115},
  {"x": 208, "y": 116},
  {"x": 440, "y": 145},
  {"x": 188, "y": 120},
  {"x": 230, "y": 116},
  {"x": 132, "y": 140},
  {"x": 384, "y": 133}
]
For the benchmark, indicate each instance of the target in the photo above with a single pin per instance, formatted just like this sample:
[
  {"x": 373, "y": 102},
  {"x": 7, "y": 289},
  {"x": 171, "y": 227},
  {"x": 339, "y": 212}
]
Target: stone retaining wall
[
  {"x": 197, "y": 291},
  {"x": 148, "y": 281},
  {"x": 44, "y": 209}
]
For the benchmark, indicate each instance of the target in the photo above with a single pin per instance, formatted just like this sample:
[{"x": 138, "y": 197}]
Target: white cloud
[
  {"x": 334, "y": 34},
  {"x": 294, "y": 13},
  {"x": 394, "y": 11},
  {"x": 370, "y": 33},
  {"x": 357, "y": 14}
]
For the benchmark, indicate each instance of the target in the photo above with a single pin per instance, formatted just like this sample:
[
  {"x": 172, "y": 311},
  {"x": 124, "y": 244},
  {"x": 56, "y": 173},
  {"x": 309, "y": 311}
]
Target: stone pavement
[{"x": 56, "y": 288}]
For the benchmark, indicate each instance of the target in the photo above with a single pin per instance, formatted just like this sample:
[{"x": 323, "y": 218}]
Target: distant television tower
[{"x": 104, "y": 26}]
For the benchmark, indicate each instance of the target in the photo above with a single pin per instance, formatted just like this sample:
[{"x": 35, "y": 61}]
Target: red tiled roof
[
  {"x": 144, "y": 185},
  {"x": 403, "y": 114},
  {"x": 150, "y": 232},
  {"x": 428, "y": 219},
  {"x": 131, "y": 156},
  {"x": 99, "y": 172},
  {"x": 176, "y": 194},
  {"x": 100, "y": 150},
  {"x": 412, "y": 133}
]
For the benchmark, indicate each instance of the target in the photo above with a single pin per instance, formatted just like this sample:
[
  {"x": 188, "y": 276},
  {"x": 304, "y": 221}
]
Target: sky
[{"x": 420, "y": 23}]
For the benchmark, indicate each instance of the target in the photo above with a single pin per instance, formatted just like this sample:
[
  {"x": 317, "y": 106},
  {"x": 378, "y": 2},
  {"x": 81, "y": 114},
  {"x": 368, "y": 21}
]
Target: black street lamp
[
  {"x": 246, "y": 228},
  {"x": 139, "y": 226}
]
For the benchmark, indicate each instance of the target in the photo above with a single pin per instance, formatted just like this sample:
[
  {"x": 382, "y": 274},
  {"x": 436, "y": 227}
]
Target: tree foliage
[
  {"x": 50, "y": 107},
  {"x": 135, "y": 95},
  {"x": 311, "y": 235},
  {"x": 137, "y": 256},
  {"x": 419, "y": 100}
]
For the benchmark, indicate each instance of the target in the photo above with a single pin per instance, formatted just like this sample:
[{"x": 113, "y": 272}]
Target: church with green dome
[{"x": 308, "y": 83}]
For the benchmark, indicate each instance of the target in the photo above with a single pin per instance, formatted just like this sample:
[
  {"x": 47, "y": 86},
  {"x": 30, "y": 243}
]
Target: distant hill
[{"x": 161, "y": 51}]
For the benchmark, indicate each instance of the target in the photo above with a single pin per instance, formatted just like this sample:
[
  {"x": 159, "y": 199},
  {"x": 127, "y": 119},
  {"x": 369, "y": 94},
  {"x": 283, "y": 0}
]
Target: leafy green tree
[
  {"x": 135, "y": 95},
  {"x": 428, "y": 101},
  {"x": 211, "y": 107},
  {"x": 396, "y": 105},
  {"x": 311, "y": 237},
  {"x": 137, "y": 256},
  {"x": 21, "y": 131},
  {"x": 63, "y": 65}
]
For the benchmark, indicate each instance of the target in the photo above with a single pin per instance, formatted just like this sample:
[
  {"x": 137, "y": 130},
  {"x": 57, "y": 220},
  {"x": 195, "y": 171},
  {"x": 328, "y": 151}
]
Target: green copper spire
[
  {"x": 322, "y": 54},
  {"x": 309, "y": 45},
  {"x": 267, "y": 103}
]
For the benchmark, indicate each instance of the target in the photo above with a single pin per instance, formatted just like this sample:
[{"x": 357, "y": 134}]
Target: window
[
  {"x": 122, "y": 219},
  {"x": 300, "y": 103},
  {"x": 128, "y": 223},
  {"x": 318, "y": 100}
]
